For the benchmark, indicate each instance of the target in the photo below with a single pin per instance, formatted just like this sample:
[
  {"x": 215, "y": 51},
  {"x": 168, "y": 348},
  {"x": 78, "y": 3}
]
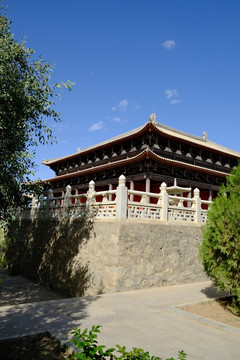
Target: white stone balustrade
[{"x": 165, "y": 208}]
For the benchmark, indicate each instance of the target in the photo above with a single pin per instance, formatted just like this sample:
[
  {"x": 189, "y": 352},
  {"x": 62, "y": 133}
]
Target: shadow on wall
[{"x": 47, "y": 251}]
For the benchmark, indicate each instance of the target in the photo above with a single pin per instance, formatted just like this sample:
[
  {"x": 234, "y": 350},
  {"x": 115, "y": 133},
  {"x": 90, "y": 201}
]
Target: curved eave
[
  {"x": 196, "y": 142},
  {"x": 181, "y": 164},
  {"x": 160, "y": 130},
  {"x": 118, "y": 139},
  {"x": 146, "y": 154}
]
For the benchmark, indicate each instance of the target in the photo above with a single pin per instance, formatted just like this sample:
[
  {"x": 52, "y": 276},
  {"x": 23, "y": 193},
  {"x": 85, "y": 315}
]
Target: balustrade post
[
  {"x": 164, "y": 195},
  {"x": 131, "y": 188},
  {"x": 34, "y": 206},
  {"x": 66, "y": 200},
  {"x": 144, "y": 199},
  {"x": 121, "y": 198},
  {"x": 197, "y": 202},
  {"x": 49, "y": 197},
  {"x": 189, "y": 204},
  {"x": 148, "y": 188},
  {"x": 110, "y": 187},
  {"x": 90, "y": 196}
]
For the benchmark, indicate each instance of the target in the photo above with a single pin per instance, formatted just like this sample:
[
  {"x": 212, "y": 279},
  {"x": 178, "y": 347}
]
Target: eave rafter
[
  {"x": 148, "y": 127},
  {"x": 153, "y": 128},
  {"x": 145, "y": 154},
  {"x": 87, "y": 151}
]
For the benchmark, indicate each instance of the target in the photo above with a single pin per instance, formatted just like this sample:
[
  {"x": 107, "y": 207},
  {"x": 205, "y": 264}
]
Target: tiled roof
[
  {"x": 106, "y": 142},
  {"x": 195, "y": 139},
  {"x": 161, "y": 128}
]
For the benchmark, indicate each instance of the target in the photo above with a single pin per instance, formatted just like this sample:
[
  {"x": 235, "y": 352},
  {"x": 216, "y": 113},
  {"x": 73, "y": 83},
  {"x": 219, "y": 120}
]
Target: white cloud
[
  {"x": 63, "y": 141},
  {"x": 172, "y": 96},
  {"x": 169, "y": 44},
  {"x": 175, "y": 101},
  {"x": 97, "y": 126},
  {"x": 116, "y": 119},
  {"x": 171, "y": 93},
  {"x": 122, "y": 106}
]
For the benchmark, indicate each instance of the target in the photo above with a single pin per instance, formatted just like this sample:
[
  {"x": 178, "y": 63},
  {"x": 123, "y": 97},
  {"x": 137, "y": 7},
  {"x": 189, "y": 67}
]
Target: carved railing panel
[
  {"x": 119, "y": 204},
  {"x": 143, "y": 211},
  {"x": 103, "y": 211},
  {"x": 204, "y": 216},
  {"x": 181, "y": 214}
]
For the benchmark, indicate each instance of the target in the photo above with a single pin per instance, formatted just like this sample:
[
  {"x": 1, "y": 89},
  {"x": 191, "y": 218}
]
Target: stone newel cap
[{"x": 122, "y": 180}]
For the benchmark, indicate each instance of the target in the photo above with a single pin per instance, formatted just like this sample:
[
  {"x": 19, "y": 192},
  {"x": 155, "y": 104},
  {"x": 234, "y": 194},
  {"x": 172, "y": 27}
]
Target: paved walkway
[{"x": 145, "y": 318}]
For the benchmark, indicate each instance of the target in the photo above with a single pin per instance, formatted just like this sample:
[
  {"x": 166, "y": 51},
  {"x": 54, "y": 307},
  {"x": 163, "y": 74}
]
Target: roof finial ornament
[
  {"x": 205, "y": 136},
  {"x": 152, "y": 118}
]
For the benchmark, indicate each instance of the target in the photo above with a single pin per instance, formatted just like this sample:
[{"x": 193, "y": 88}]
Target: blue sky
[{"x": 129, "y": 58}]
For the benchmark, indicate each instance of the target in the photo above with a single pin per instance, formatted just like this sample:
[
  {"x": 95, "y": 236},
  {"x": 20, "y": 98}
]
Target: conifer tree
[{"x": 220, "y": 249}]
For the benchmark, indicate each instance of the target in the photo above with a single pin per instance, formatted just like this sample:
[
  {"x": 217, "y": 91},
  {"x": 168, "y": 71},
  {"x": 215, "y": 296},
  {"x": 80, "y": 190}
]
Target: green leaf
[{"x": 26, "y": 103}]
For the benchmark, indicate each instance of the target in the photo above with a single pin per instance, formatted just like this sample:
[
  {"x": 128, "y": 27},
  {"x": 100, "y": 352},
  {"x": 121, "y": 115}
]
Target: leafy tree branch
[{"x": 27, "y": 99}]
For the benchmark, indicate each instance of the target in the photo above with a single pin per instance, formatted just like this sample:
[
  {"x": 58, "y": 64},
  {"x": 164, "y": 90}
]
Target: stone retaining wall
[{"x": 81, "y": 258}]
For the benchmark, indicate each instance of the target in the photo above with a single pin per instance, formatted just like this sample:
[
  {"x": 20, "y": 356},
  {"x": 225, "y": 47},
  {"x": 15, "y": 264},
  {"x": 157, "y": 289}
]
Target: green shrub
[
  {"x": 220, "y": 249},
  {"x": 181, "y": 356},
  {"x": 134, "y": 354},
  {"x": 86, "y": 342}
]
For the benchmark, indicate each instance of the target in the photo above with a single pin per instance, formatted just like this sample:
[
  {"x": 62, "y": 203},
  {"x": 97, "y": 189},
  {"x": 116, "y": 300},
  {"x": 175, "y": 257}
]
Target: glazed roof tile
[{"x": 161, "y": 128}]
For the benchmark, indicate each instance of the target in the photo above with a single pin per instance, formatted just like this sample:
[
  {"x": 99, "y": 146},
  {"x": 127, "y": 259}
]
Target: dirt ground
[
  {"x": 216, "y": 310},
  {"x": 38, "y": 347}
]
